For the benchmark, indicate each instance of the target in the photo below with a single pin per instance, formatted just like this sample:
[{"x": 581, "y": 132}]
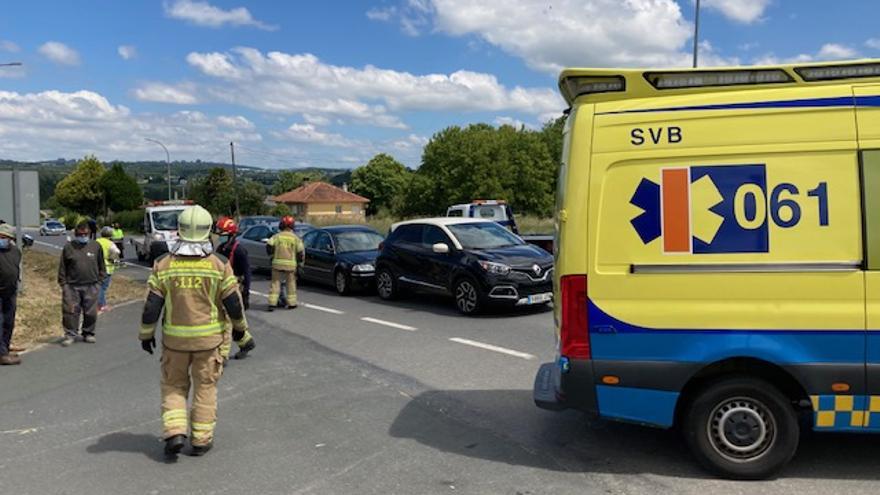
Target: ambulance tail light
[
  {"x": 843, "y": 71},
  {"x": 574, "y": 336},
  {"x": 575, "y": 86},
  {"x": 711, "y": 78}
]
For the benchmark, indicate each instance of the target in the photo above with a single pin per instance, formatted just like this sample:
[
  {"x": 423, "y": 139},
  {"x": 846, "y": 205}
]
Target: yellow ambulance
[{"x": 718, "y": 255}]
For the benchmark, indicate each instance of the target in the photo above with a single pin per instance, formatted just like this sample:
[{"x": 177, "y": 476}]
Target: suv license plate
[{"x": 539, "y": 298}]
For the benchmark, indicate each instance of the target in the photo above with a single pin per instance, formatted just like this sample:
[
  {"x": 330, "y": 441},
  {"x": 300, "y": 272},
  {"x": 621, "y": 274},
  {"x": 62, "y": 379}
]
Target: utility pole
[
  {"x": 16, "y": 201},
  {"x": 167, "y": 162},
  {"x": 234, "y": 179},
  {"x": 696, "y": 32}
]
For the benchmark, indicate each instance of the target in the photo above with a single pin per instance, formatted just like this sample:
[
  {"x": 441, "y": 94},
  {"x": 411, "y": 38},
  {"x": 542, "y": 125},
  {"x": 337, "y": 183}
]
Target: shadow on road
[
  {"x": 505, "y": 426},
  {"x": 148, "y": 445}
]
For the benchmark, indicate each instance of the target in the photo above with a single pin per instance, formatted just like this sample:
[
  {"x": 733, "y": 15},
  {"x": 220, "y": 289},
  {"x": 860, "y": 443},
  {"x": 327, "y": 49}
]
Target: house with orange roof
[{"x": 316, "y": 200}]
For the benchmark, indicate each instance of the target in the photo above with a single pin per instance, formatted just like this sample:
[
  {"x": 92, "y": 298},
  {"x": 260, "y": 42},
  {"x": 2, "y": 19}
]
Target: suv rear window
[{"x": 407, "y": 233}]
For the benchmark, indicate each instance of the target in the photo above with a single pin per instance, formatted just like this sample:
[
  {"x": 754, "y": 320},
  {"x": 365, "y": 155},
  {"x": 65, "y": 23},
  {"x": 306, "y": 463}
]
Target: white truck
[
  {"x": 499, "y": 211},
  {"x": 160, "y": 229}
]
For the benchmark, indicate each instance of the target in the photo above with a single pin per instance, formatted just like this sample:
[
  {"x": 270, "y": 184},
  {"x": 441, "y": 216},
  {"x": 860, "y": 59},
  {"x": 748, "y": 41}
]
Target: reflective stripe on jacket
[
  {"x": 287, "y": 247},
  {"x": 193, "y": 289}
]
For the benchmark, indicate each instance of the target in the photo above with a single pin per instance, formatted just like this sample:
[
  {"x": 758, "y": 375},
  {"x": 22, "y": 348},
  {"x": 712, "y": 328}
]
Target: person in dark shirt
[
  {"x": 80, "y": 274},
  {"x": 241, "y": 268},
  {"x": 10, "y": 275}
]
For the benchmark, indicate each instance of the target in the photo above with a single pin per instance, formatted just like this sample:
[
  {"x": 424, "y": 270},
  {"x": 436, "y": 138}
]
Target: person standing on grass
[
  {"x": 10, "y": 275},
  {"x": 111, "y": 257},
  {"x": 80, "y": 274}
]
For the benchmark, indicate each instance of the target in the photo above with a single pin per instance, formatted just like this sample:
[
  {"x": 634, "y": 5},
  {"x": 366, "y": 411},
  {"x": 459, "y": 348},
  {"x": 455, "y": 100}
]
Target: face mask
[
  {"x": 4, "y": 244},
  {"x": 82, "y": 239}
]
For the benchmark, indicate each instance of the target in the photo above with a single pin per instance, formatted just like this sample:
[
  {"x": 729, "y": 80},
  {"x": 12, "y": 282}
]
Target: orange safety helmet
[
  {"x": 287, "y": 222},
  {"x": 226, "y": 225}
]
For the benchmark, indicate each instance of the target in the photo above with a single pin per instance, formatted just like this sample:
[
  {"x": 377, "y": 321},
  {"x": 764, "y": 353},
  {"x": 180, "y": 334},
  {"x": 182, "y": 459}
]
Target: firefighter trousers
[
  {"x": 182, "y": 371},
  {"x": 289, "y": 276}
]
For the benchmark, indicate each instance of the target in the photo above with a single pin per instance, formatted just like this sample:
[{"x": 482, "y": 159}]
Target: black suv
[{"x": 477, "y": 261}]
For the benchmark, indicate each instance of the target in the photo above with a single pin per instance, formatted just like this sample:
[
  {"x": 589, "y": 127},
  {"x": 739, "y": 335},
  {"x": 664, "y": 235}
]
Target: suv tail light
[{"x": 574, "y": 336}]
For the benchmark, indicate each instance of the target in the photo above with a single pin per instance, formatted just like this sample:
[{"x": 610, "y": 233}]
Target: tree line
[{"x": 460, "y": 164}]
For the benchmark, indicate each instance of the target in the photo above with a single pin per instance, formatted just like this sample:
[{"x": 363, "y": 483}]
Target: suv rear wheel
[
  {"x": 386, "y": 285},
  {"x": 468, "y": 299},
  {"x": 742, "y": 428}
]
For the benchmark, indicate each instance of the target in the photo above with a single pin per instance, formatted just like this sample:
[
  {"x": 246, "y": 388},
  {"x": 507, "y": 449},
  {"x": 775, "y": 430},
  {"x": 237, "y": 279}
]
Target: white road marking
[
  {"x": 495, "y": 348},
  {"x": 259, "y": 293},
  {"x": 135, "y": 265},
  {"x": 389, "y": 324},
  {"x": 324, "y": 309},
  {"x": 53, "y": 246}
]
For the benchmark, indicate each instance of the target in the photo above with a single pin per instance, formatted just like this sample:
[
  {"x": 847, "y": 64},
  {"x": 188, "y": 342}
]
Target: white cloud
[
  {"x": 181, "y": 94},
  {"x": 307, "y": 133},
  {"x": 59, "y": 53},
  {"x": 302, "y": 84},
  {"x": 127, "y": 52},
  {"x": 828, "y": 51},
  {"x": 85, "y": 122},
  {"x": 552, "y": 35},
  {"x": 8, "y": 46},
  {"x": 744, "y": 11},
  {"x": 835, "y": 51},
  {"x": 235, "y": 122},
  {"x": 385, "y": 15},
  {"x": 205, "y": 14},
  {"x": 873, "y": 43}
]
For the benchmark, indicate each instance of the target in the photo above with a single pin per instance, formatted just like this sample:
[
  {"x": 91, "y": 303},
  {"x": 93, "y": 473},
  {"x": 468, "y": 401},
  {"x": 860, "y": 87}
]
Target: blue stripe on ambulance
[
  {"x": 614, "y": 340},
  {"x": 839, "y": 101}
]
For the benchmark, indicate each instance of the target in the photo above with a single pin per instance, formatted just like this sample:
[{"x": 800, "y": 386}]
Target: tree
[
  {"x": 291, "y": 179},
  {"x": 381, "y": 180},
  {"x": 81, "y": 190},
  {"x": 216, "y": 192},
  {"x": 121, "y": 191}
]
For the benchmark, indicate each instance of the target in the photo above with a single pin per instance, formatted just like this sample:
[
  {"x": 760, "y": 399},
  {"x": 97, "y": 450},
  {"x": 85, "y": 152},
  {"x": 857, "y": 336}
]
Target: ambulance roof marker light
[
  {"x": 712, "y": 78},
  {"x": 842, "y": 71},
  {"x": 575, "y": 86}
]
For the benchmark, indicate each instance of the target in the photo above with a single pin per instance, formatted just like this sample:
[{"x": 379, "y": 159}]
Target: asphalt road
[{"x": 355, "y": 395}]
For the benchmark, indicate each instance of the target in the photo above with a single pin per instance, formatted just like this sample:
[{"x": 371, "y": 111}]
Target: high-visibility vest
[
  {"x": 118, "y": 235},
  {"x": 105, "y": 248}
]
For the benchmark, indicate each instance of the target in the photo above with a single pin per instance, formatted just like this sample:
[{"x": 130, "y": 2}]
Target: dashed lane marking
[
  {"x": 324, "y": 309},
  {"x": 494, "y": 348},
  {"x": 53, "y": 246},
  {"x": 389, "y": 324}
]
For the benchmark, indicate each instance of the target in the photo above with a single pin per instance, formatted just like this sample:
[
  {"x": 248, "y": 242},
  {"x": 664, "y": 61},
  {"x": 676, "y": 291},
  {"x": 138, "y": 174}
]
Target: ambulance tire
[{"x": 742, "y": 428}]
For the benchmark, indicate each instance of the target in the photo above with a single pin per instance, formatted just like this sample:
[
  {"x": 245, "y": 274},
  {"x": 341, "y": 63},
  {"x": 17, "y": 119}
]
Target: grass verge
[{"x": 38, "y": 317}]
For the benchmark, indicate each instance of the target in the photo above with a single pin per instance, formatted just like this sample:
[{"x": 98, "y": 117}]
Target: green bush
[{"x": 130, "y": 220}]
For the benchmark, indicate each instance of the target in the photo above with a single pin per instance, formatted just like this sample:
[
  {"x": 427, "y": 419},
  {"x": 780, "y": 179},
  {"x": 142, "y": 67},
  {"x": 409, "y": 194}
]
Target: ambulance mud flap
[
  {"x": 546, "y": 386},
  {"x": 574, "y": 389}
]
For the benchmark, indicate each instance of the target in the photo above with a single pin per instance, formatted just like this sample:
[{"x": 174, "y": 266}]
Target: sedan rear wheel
[{"x": 467, "y": 297}]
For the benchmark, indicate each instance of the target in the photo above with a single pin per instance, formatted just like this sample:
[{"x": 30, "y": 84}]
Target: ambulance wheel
[
  {"x": 742, "y": 428},
  {"x": 386, "y": 284}
]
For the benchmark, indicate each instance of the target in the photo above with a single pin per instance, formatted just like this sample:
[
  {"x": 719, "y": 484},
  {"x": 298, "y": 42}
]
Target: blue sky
[{"x": 301, "y": 83}]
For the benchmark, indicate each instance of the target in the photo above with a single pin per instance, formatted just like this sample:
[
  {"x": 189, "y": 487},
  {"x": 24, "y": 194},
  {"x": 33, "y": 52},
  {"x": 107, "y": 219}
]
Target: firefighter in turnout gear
[
  {"x": 241, "y": 268},
  {"x": 198, "y": 292},
  {"x": 286, "y": 250}
]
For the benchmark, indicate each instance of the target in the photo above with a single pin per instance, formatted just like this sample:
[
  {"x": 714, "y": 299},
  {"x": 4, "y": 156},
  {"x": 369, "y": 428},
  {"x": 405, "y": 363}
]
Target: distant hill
[{"x": 152, "y": 175}]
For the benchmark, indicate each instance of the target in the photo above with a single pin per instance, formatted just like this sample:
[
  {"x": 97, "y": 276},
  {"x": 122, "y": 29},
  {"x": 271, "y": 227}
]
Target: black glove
[
  {"x": 149, "y": 345},
  {"x": 237, "y": 335}
]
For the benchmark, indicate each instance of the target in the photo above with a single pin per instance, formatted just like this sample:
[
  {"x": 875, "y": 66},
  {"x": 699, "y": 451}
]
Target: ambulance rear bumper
[{"x": 574, "y": 389}]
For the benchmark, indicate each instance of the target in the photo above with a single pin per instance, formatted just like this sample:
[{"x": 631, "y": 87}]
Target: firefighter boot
[
  {"x": 200, "y": 450},
  {"x": 174, "y": 444},
  {"x": 245, "y": 349}
]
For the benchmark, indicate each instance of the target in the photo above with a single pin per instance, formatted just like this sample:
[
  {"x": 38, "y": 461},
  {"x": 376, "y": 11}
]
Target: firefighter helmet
[
  {"x": 287, "y": 222},
  {"x": 227, "y": 225},
  {"x": 194, "y": 224}
]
